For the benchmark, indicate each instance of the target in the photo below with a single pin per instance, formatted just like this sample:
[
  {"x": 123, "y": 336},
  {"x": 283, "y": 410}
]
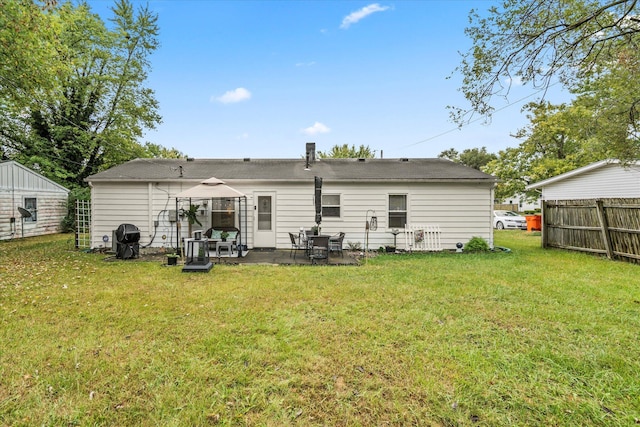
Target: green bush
[{"x": 476, "y": 244}]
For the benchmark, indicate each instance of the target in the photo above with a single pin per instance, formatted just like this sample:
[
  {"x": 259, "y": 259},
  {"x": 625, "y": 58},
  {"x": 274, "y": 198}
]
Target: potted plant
[
  {"x": 224, "y": 235},
  {"x": 192, "y": 217},
  {"x": 172, "y": 259}
]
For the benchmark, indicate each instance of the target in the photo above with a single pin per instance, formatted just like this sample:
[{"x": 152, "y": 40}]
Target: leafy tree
[
  {"x": 612, "y": 95},
  {"x": 475, "y": 158},
  {"x": 29, "y": 52},
  {"x": 158, "y": 151},
  {"x": 579, "y": 42},
  {"x": 557, "y": 140},
  {"x": 451, "y": 154},
  {"x": 93, "y": 112},
  {"x": 348, "y": 152}
]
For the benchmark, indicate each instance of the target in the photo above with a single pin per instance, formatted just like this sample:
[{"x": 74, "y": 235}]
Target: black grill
[
  {"x": 127, "y": 238},
  {"x": 128, "y": 233}
]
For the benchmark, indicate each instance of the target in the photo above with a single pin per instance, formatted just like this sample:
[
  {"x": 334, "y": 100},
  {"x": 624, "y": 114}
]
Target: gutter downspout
[{"x": 13, "y": 202}]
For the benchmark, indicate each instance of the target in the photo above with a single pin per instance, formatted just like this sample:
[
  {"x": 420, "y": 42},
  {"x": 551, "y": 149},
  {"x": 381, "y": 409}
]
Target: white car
[{"x": 508, "y": 220}]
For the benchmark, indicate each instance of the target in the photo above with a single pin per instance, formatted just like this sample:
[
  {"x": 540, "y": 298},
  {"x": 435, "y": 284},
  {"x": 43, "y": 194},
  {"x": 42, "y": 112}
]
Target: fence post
[
  {"x": 544, "y": 230},
  {"x": 604, "y": 226}
]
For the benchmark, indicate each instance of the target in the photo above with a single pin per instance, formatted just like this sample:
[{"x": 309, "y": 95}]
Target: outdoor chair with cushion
[
  {"x": 215, "y": 235},
  {"x": 335, "y": 243},
  {"x": 295, "y": 246}
]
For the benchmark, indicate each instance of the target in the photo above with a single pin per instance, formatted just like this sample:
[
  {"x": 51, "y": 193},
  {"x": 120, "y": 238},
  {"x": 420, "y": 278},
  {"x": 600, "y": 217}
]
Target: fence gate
[{"x": 83, "y": 224}]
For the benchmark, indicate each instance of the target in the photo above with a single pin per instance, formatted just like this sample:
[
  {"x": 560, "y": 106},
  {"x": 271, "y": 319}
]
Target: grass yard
[{"x": 527, "y": 338}]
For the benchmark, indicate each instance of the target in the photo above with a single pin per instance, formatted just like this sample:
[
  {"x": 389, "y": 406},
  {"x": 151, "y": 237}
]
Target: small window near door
[
  {"x": 31, "y": 204},
  {"x": 397, "y": 210},
  {"x": 331, "y": 205}
]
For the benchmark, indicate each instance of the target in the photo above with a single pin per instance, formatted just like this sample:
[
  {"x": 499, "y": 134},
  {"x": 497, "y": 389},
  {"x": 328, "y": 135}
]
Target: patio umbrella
[
  {"x": 318, "y": 198},
  {"x": 211, "y": 188}
]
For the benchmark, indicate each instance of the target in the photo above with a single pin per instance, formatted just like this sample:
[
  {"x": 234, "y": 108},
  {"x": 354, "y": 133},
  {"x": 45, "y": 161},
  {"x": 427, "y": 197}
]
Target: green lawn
[{"x": 531, "y": 337}]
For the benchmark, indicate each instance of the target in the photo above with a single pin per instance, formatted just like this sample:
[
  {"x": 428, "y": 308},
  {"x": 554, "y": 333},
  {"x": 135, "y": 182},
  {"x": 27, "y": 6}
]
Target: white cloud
[
  {"x": 316, "y": 129},
  {"x": 232, "y": 96},
  {"x": 306, "y": 64},
  {"x": 356, "y": 16},
  {"x": 244, "y": 135}
]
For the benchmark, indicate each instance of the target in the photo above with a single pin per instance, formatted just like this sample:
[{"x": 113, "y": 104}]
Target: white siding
[
  {"x": 609, "y": 181},
  {"x": 461, "y": 210},
  {"x": 17, "y": 183}
]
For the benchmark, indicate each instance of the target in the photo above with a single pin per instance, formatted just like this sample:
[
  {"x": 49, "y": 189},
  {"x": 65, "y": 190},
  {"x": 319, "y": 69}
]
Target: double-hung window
[
  {"x": 223, "y": 213},
  {"x": 397, "y": 210},
  {"x": 331, "y": 205}
]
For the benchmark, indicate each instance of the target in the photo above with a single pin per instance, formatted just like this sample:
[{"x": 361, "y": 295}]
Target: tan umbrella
[
  {"x": 214, "y": 188},
  {"x": 211, "y": 188}
]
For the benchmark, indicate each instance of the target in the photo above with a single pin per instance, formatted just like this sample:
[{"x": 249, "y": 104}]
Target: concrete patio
[{"x": 285, "y": 257}]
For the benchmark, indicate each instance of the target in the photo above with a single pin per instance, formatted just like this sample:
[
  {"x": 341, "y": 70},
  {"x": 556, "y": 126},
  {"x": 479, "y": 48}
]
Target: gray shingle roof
[{"x": 292, "y": 170}]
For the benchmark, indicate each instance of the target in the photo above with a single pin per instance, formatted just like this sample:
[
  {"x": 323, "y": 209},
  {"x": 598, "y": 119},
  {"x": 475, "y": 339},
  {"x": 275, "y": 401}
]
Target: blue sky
[{"x": 259, "y": 79}]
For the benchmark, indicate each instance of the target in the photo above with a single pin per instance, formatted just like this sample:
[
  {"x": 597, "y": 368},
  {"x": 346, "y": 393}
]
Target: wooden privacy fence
[
  {"x": 604, "y": 226},
  {"x": 422, "y": 238}
]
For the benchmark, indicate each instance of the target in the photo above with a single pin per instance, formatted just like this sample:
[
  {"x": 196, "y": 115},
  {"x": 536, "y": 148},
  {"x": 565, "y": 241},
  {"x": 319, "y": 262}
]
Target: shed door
[{"x": 265, "y": 220}]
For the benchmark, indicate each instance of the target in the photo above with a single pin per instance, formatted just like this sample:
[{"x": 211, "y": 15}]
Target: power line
[{"x": 480, "y": 118}]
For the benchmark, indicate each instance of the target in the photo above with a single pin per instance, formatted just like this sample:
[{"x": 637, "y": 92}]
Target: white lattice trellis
[
  {"x": 83, "y": 224},
  {"x": 422, "y": 238}
]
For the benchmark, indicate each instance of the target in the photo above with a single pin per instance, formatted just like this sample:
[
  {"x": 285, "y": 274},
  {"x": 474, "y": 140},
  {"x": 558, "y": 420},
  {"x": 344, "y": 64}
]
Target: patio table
[{"x": 228, "y": 245}]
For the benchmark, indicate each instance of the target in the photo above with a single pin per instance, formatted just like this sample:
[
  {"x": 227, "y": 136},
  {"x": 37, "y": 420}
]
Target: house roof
[
  {"x": 579, "y": 171},
  {"x": 436, "y": 170}
]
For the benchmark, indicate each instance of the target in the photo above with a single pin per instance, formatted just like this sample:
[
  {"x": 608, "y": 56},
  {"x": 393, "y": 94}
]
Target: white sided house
[
  {"x": 599, "y": 180},
  {"x": 30, "y": 204},
  {"x": 455, "y": 199}
]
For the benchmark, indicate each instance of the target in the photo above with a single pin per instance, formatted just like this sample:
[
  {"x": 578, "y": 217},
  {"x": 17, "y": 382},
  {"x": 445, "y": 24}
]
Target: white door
[{"x": 265, "y": 220}]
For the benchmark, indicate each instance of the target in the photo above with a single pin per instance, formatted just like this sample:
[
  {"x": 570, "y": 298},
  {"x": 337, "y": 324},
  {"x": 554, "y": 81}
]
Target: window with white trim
[
  {"x": 397, "y": 210},
  {"x": 331, "y": 205},
  {"x": 31, "y": 204}
]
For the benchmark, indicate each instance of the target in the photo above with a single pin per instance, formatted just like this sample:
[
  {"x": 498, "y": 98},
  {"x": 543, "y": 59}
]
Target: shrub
[{"x": 476, "y": 244}]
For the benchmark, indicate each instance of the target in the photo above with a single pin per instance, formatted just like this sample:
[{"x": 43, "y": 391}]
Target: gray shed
[{"x": 30, "y": 204}]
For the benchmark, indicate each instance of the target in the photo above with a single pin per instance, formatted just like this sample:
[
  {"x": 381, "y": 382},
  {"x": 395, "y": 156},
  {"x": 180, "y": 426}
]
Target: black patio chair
[
  {"x": 335, "y": 243},
  {"x": 320, "y": 249},
  {"x": 295, "y": 246}
]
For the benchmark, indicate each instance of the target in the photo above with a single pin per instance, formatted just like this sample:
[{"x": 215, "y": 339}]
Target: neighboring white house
[
  {"x": 30, "y": 204},
  {"x": 603, "y": 179},
  {"x": 521, "y": 201},
  {"x": 280, "y": 199}
]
